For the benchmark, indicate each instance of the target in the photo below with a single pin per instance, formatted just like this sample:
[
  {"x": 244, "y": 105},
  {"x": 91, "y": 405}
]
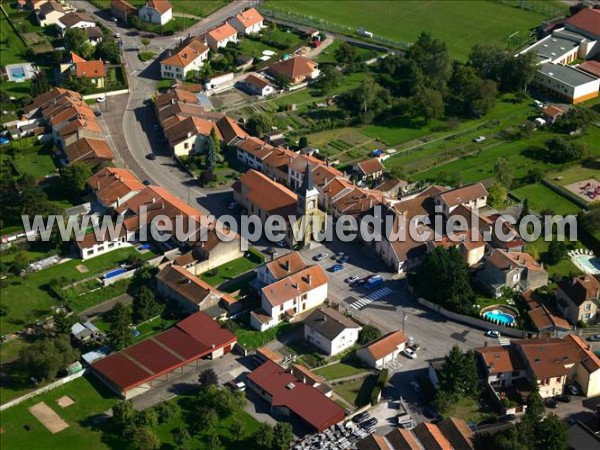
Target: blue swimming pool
[
  {"x": 114, "y": 273},
  {"x": 17, "y": 73},
  {"x": 500, "y": 317}
]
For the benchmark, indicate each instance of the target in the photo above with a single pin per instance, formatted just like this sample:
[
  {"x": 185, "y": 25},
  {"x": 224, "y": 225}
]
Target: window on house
[{"x": 588, "y": 306}]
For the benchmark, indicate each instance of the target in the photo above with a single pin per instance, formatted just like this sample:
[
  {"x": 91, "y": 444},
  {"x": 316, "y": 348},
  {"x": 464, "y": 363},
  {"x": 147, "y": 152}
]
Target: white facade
[
  {"x": 174, "y": 72},
  {"x": 250, "y": 160},
  {"x": 567, "y": 83},
  {"x": 252, "y": 29},
  {"x": 366, "y": 356},
  {"x": 298, "y": 304},
  {"x": 343, "y": 341},
  {"x": 100, "y": 248},
  {"x": 192, "y": 144},
  {"x": 153, "y": 16}
]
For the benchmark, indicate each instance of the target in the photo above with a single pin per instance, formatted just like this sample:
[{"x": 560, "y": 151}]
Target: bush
[
  {"x": 382, "y": 378},
  {"x": 375, "y": 395},
  {"x": 146, "y": 56}
]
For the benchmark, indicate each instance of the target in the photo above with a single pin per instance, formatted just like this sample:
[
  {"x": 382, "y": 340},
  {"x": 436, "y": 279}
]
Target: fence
[
  {"x": 548, "y": 9},
  {"x": 566, "y": 194},
  {"x": 42, "y": 390}
]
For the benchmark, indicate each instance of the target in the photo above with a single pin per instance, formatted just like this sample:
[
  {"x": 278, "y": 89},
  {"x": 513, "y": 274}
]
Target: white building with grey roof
[{"x": 330, "y": 331}]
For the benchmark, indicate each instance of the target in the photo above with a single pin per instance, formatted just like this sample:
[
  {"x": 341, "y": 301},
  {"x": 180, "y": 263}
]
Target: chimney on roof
[
  {"x": 172, "y": 101},
  {"x": 286, "y": 265},
  {"x": 189, "y": 134},
  {"x": 308, "y": 278}
]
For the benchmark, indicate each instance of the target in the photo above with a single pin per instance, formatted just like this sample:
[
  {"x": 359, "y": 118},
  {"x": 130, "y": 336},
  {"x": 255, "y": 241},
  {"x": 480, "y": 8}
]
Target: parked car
[
  {"x": 538, "y": 104},
  {"x": 97, "y": 113},
  {"x": 117, "y": 35},
  {"x": 351, "y": 279},
  {"x": 151, "y": 156},
  {"x": 237, "y": 385},
  {"x": 410, "y": 353},
  {"x": 551, "y": 403},
  {"x": 100, "y": 99},
  {"x": 369, "y": 423},
  {"x": 573, "y": 390},
  {"x": 594, "y": 338},
  {"x": 373, "y": 282},
  {"x": 361, "y": 417},
  {"x": 563, "y": 398},
  {"x": 336, "y": 268},
  {"x": 416, "y": 386},
  {"x": 492, "y": 334},
  {"x": 479, "y": 139},
  {"x": 343, "y": 259},
  {"x": 320, "y": 257}
]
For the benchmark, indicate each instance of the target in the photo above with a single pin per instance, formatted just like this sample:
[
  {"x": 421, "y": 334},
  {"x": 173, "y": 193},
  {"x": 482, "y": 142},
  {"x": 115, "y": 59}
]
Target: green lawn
[
  {"x": 466, "y": 409},
  {"x": 233, "y": 269},
  {"x": 252, "y": 339},
  {"x": 200, "y": 8},
  {"x": 12, "y": 48},
  {"x": 339, "y": 370},
  {"x": 541, "y": 197},
  {"x": 460, "y": 24},
  {"x": 31, "y": 157},
  {"x": 29, "y": 299},
  {"x": 564, "y": 268},
  {"x": 357, "y": 392},
  {"x": 91, "y": 398}
]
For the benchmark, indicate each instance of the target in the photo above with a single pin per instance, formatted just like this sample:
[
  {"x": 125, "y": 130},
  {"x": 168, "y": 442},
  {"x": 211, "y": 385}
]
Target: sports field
[{"x": 460, "y": 23}]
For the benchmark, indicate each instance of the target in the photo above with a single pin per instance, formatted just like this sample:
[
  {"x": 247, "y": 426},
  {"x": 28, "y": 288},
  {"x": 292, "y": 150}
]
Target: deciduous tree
[
  {"x": 75, "y": 175},
  {"x": 44, "y": 358},
  {"x": 282, "y": 436},
  {"x": 263, "y": 437},
  {"x": 119, "y": 333},
  {"x": 208, "y": 377},
  {"x": 145, "y": 305}
]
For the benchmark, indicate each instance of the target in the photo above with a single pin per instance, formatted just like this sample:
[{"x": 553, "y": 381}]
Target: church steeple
[{"x": 307, "y": 182}]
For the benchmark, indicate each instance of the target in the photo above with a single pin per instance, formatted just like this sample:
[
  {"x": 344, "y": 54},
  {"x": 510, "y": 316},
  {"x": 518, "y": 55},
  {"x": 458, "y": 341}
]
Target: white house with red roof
[
  {"x": 221, "y": 36},
  {"x": 156, "y": 11},
  {"x": 248, "y": 22},
  {"x": 189, "y": 56}
]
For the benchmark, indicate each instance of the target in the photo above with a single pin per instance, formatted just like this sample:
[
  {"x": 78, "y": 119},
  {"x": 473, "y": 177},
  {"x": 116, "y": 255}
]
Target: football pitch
[{"x": 461, "y": 24}]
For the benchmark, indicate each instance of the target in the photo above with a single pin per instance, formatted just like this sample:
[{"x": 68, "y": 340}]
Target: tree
[
  {"x": 432, "y": 57},
  {"x": 208, "y": 377},
  {"x": 487, "y": 60},
  {"x": 369, "y": 333},
  {"x": 303, "y": 142},
  {"x": 145, "y": 42},
  {"x": 497, "y": 194},
  {"x": 458, "y": 374},
  {"x": 39, "y": 84},
  {"x": 32, "y": 200},
  {"x": 75, "y": 175},
  {"x": 119, "y": 333},
  {"x": 561, "y": 150},
  {"x": 145, "y": 439},
  {"x": 45, "y": 357},
  {"x": 108, "y": 50},
  {"x": 208, "y": 419},
  {"x": 577, "y": 7},
  {"x": 145, "y": 305},
  {"x": 76, "y": 41},
  {"x": 552, "y": 434},
  {"x": 557, "y": 251},
  {"x": 19, "y": 263},
  {"x": 443, "y": 278},
  {"x": 259, "y": 124},
  {"x": 346, "y": 53},
  {"x": 427, "y": 104},
  {"x": 263, "y": 437},
  {"x": 211, "y": 154},
  {"x": 4, "y": 310},
  {"x": 123, "y": 414},
  {"x": 504, "y": 172},
  {"x": 182, "y": 438},
  {"x": 165, "y": 411},
  {"x": 237, "y": 428},
  {"x": 213, "y": 442},
  {"x": 329, "y": 79},
  {"x": 576, "y": 118},
  {"x": 63, "y": 323},
  {"x": 401, "y": 75},
  {"x": 282, "y": 436},
  {"x": 470, "y": 95},
  {"x": 215, "y": 138},
  {"x": 517, "y": 72},
  {"x": 146, "y": 418}
]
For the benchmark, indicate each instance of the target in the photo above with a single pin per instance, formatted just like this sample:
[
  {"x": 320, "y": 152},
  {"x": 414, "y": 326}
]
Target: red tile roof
[
  {"x": 581, "y": 288},
  {"x": 305, "y": 401},
  {"x": 161, "y": 6},
  {"x": 285, "y": 265},
  {"x": 191, "y": 339},
  {"x": 111, "y": 183},
  {"x": 88, "y": 150},
  {"x": 386, "y": 344},
  {"x": 191, "y": 49},
  {"x": 296, "y": 67},
  {"x": 266, "y": 194},
  {"x": 370, "y": 166},
  {"x": 431, "y": 437},
  {"x": 230, "y": 129},
  {"x": 223, "y": 32},
  {"x": 500, "y": 359},
  {"x": 588, "y": 20},
  {"x": 256, "y": 81},
  {"x": 295, "y": 285},
  {"x": 464, "y": 194},
  {"x": 505, "y": 260},
  {"x": 90, "y": 69},
  {"x": 249, "y": 17}
]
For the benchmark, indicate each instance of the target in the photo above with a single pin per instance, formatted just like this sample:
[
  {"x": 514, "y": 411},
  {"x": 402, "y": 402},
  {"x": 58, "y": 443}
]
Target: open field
[
  {"x": 541, "y": 197},
  {"x": 460, "y": 24},
  {"x": 29, "y": 298},
  {"x": 200, "y": 8},
  {"x": 573, "y": 175},
  {"x": 339, "y": 370},
  {"x": 91, "y": 398},
  {"x": 12, "y": 48},
  {"x": 29, "y": 157}
]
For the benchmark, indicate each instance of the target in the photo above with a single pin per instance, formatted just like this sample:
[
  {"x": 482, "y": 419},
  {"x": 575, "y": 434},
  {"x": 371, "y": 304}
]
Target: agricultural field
[
  {"x": 451, "y": 21},
  {"x": 192, "y": 7}
]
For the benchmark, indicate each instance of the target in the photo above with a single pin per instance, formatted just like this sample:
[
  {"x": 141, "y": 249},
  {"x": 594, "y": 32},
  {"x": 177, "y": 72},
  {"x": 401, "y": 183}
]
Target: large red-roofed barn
[
  {"x": 290, "y": 396},
  {"x": 138, "y": 368}
]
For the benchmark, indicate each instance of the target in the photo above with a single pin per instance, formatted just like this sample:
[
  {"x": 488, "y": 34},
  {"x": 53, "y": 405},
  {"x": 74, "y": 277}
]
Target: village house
[
  {"x": 473, "y": 196},
  {"x": 188, "y": 136},
  {"x": 191, "y": 293},
  {"x": 281, "y": 267},
  {"x": 113, "y": 186},
  {"x": 330, "y": 332},
  {"x": 221, "y": 36},
  {"x": 248, "y": 22},
  {"x": 511, "y": 270},
  {"x": 289, "y": 296},
  {"x": 35, "y": 5},
  {"x": 258, "y": 85},
  {"x": 470, "y": 244},
  {"x": 379, "y": 353},
  {"x": 189, "y": 56},
  {"x": 75, "y": 20},
  {"x": 288, "y": 395},
  {"x": 95, "y": 71},
  {"x": 295, "y": 70},
  {"x": 122, "y": 10},
  {"x": 552, "y": 113},
  {"x": 369, "y": 170},
  {"x": 50, "y": 13},
  {"x": 231, "y": 131},
  {"x": 578, "y": 299},
  {"x": 392, "y": 188},
  {"x": 156, "y": 11},
  {"x": 93, "y": 152}
]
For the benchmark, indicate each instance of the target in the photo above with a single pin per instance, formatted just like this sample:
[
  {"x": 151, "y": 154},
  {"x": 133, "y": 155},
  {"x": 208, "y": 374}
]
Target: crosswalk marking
[{"x": 375, "y": 295}]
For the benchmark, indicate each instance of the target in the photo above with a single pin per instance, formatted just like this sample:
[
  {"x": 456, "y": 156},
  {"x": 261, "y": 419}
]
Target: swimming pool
[
  {"x": 587, "y": 263},
  {"x": 114, "y": 273},
  {"x": 500, "y": 317},
  {"x": 18, "y": 73}
]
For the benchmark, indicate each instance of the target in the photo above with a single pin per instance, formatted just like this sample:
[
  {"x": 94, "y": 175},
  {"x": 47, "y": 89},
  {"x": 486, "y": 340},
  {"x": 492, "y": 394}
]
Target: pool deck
[
  {"x": 27, "y": 69},
  {"x": 585, "y": 264}
]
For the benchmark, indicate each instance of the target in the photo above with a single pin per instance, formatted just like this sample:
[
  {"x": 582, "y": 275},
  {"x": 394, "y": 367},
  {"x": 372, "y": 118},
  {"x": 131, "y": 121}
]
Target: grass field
[
  {"x": 231, "y": 270},
  {"x": 30, "y": 157},
  {"x": 357, "y": 392},
  {"x": 541, "y": 197},
  {"x": 339, "y": 370},
  {"x": 29, "y": 298},
  {"x": 573, "y": 175},
  {"x": 251, "y": 339},
  {"x": 460, "y": 24},
  {"x": 12, "y": 48},
  {"x": 91, "y": 398},
  {"x": 200, "y": 8}
]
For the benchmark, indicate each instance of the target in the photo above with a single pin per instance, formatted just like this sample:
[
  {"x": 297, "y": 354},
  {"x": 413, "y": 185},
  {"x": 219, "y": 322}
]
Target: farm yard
[{"x": 451, "y": 21}]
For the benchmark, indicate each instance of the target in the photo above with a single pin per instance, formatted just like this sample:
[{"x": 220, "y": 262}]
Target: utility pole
[{"x": 404, "y": 317}]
